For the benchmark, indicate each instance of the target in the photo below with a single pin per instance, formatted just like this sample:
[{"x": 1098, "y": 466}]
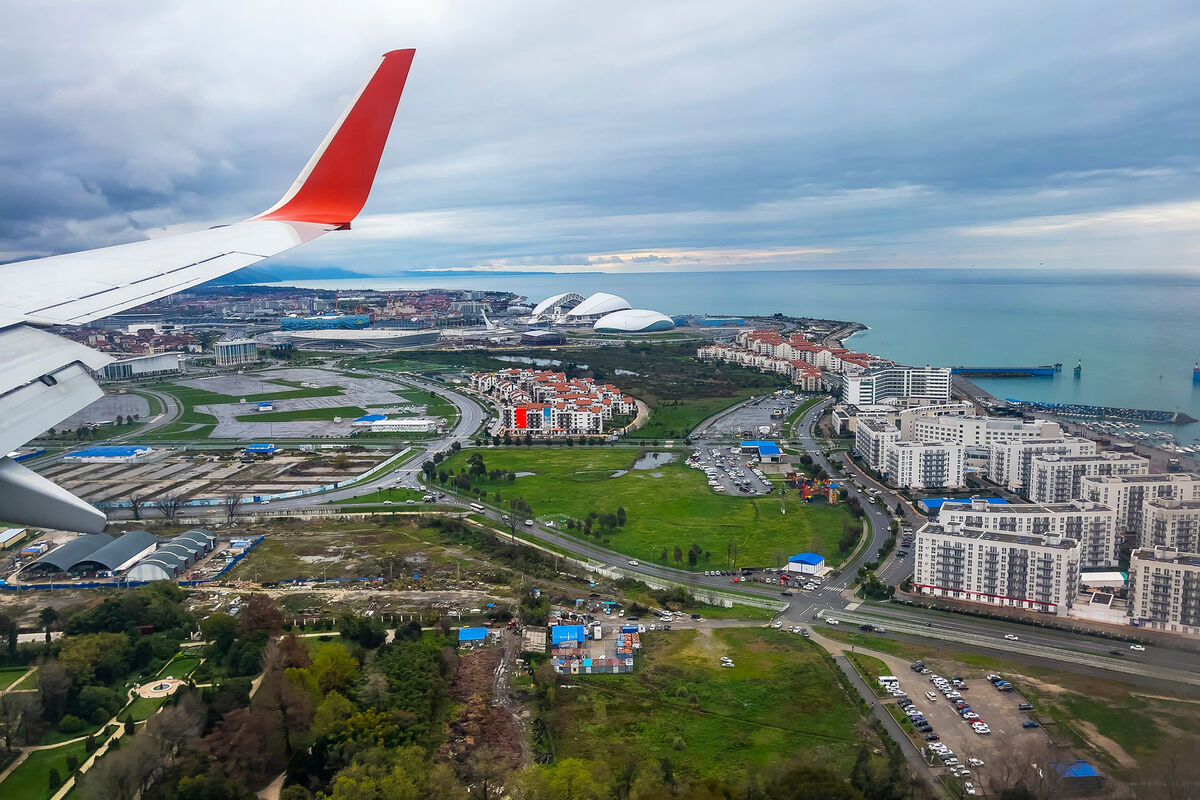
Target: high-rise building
[
  {"x": 1171, "y": 523},
  {"x": 1093, "y": 525},
  {"x": 1164, "y": 590},
  {"x": 973, "y": 430},
  {"x": 871, "y": 439},
  {"x": 1056, "y": 478},
  {"x": 1009, "y": 462},
  {"x": 235, "y": 352},
  {"x": 956, "y": 561},
  {"x": 896, "y": 381},
  {"x": 1127, "y": 493},
  {"x": 924, "y": 465}
]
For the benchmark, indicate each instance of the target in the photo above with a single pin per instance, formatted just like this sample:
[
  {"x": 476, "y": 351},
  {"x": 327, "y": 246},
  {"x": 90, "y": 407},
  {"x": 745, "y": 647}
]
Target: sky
[{"x": 659, "y": 137}]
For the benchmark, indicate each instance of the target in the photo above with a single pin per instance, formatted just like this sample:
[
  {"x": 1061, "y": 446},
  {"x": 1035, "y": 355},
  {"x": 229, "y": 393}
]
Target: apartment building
[
  {"x": 235, "y": 352},
  {"x": 547, "y": 403},
  {"x": 1055, "y": 478},
  {"x": 1126, "y": 494},
  {"x": 871, "y": 439},
  {"x": 1164, "y": 590},
  {"x": 1171, "y": 523},
  {"x": 924, "y": 465},
  {"x": 1093, "y": 525},
  {"x": 974, "y": 430},
  {"x": 1009, "y": 463},
  {"x": 804, "y": 376},
  {"x": 896, "y": 381},
  {"x": 1040, "y": 573}
]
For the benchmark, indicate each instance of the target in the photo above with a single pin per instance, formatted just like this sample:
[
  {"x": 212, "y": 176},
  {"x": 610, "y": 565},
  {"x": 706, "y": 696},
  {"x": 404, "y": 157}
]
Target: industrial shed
[
  {"x": 170, "y": 560},
  {"x": 119, "y": 554},
  {"x": 63, "y": 558}
]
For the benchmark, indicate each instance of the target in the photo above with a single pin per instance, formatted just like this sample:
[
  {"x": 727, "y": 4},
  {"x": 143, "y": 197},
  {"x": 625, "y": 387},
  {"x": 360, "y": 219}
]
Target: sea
[{"x": 1136, "y": 335}]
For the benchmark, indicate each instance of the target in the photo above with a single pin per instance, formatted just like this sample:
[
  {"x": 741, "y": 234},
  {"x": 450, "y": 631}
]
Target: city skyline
[{"x": 558, "y": 139}]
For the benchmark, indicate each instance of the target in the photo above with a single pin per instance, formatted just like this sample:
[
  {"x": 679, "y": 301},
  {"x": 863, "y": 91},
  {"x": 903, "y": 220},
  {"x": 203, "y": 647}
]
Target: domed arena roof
[
  {"x": 633, "y": 320},
  {"x": 599, "y": 303},
  {"x": 564, "y": 300}
]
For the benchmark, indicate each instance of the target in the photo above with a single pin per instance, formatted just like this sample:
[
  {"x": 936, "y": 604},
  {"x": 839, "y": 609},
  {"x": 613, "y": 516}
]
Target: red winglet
[{"x": 334, "y": 185}]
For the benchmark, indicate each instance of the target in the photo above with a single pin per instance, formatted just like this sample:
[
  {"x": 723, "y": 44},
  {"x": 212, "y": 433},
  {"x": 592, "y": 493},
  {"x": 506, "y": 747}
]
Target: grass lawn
[
  {"x": 31, "y": 780},
  {"x": 395, "y": 495},
  {"x": 870, "y": 668},
  {"x": 141, "y": 708},
  {"x": 179, "y": 668},
  {"x": 780, "y": 698},
  {"x": 315, "y": 643},
  {"x": 665, "y": 507},
  {"x": 799, "y": 413},
  {"x": 8, "y": 675},
  {"x": 677, "y": 421},
  {"x": 155, "y": 405},
  {"x": 1139, "y": 722},
  {"x": 29, "y": 683},
  {"x": 304, "y": 414}
]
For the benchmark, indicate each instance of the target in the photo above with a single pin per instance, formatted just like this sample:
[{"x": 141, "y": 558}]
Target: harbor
[
  {"x": 1043, "y": 371},
  {"x": 1083, "y": 411}
]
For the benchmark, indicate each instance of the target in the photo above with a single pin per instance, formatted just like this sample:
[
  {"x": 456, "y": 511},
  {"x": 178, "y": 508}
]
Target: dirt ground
[{"x": 481, "y": 730}]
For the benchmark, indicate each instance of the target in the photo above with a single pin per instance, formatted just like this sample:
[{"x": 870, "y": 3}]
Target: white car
[
  {"x": 777, "y": 624},
  {"x": 832, "y": 621},
  {"x": 1012, "y": 637},
  {"x": 975, "y": 762},
  {"x": 1137, "y": 648},
  {"x": 969, "y": 787},
  {"x": 811, "y": 586},
  {"x": 633, "y": 563}
]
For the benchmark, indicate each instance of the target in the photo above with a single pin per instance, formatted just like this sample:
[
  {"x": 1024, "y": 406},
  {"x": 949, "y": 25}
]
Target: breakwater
[{"x": 1102, "y": 412}]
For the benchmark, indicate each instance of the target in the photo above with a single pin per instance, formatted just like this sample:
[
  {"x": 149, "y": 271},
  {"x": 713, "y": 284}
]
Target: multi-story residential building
[
  {"x": 1056, "y": 479},
  {"x": 1093, "y": 525},
  {"x": 548, "y": 403},
  {"x": 1005, "y": 569},
  {"x": 896, "y": 381},
  {"x": 1164, "y": 590},
  {"x": 1127, "y": 494},
  {"x": 805, "y": 376},
  {"x": 1171, "y": 523},
  {"x": 845, "y": 416},
  {"x": 1009, "y": 462},
  {"x": 974, "y": 431},
  {"x": 871, "y": 438},
  {"x": 235, "y": 352},
  {"x": 924, "y": 465}
]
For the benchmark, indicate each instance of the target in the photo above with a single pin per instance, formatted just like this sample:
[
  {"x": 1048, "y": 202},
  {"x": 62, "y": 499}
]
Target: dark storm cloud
[{"x": 625, "y": 136}]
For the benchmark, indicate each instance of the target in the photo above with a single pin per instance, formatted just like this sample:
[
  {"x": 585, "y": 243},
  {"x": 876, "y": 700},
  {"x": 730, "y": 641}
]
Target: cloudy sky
[{"x": 661, "y": 136}]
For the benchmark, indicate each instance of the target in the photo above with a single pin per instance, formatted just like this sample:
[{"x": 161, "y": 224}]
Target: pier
[
  {"x": 1044, "y": 371},
  {"x": 1102, "y": 412}
]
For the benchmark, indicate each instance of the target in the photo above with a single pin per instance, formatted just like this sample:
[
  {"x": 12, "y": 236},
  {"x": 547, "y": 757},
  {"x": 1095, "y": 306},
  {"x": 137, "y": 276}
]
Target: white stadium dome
[
  {"x": 599, "y": 303},
  {"x": 633, "y": 320},
  {"x": 564, "y": 300}
]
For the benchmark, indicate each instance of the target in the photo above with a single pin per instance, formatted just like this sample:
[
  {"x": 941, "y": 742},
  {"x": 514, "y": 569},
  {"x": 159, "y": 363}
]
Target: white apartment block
[
  {"x": 1127, "y": 493},
  {"x": 846, "y": 417},
  {"x": 1164, "y": 590},
  {"x": 235, "y": 352},
  {"x": 924, "y": 465},
  {"x": 1171, "y": 523},
  {"x": 1009, "y": 462},
  {"x": 803, "y": 375},
  {"x": 1040, "y": 573},
  {"x": 1093, "y": 525},
  {"x": 550, "y": 404},
  {"x": 1056, "y": 479},
  {"x": 871, "y": 439},
  {"x": 975, "y": 431},
  {"x": 896, "y": 381}
]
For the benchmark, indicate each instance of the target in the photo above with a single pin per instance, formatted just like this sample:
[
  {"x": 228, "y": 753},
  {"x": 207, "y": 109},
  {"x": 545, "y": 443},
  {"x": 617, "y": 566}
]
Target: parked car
[
  {"x": 1029, "y": 723},
  {"x": 931, "y": 737},
  {"x": 1137, "y": 648}
]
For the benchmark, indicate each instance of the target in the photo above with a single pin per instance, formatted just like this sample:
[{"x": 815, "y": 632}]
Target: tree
[
  {"x": 169, "y": 506},
  {"x": 291, "y": 705},
  {"x": 678, "y": 554},
  {"x": 47, "y": 616},
  {"x": 428, "y": 467},
  {"x": 335, "y": 669},
  {"x": 136, "y": 501},
  {"x": 220, "y": 630},
  {"x": 261, "y": 613},
  {"x": 232, "y": 502},
  {"x": 14, "y": 706}
]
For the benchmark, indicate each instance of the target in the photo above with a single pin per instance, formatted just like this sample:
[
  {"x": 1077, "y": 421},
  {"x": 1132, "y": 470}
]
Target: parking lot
[
  {"x": 761, "y": 418},
  {"x": 730, "y": 471},
  {"x": 1007, "y": 737}
]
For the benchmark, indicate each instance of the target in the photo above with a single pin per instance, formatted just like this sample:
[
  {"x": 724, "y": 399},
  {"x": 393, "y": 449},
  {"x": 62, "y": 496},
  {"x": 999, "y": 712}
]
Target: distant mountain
[{"x": 248, "y": 275}]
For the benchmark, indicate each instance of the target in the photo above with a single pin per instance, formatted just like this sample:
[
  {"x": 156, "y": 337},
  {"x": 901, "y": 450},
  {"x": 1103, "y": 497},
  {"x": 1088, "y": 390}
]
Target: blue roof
[
  {"x": 109, "y": 451},
  {"x": 261, "y": 447},
  {"x": 1077, "y": 769},
  {"x": 567, "y": 633},
  {"x": 265, "y": 403},
  {"x": 371, "y": 417},
  {"x": 936, "y": 502},
  {"x": 807, "y": 558},
  {"x": 472, "y": 634},
  {"x": 765, "y": 448}
]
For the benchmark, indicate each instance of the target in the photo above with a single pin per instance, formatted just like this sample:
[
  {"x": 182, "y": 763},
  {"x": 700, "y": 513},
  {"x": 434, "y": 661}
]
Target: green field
[
  {"x": 141, "y": 708},
  {"x": 870, "y": 668},
  {"x": 780, "y": 698},
  {"x": 180, "y": 667},
  {"x": 9, "y": 675},
  {"x": 30, "y": 781},
  {"x": 677, "y": 421},
  {"x": 304, "y": 414},
  {"x": 665, "y": 507},
  {"x": 382, "y": 496}
]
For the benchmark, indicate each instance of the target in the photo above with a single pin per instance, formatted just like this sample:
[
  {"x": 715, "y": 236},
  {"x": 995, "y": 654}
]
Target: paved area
[
  {"x": 729, "y": 471},
  {"x": 108, "y": 408},
  {"x": 761, "y": 418}
]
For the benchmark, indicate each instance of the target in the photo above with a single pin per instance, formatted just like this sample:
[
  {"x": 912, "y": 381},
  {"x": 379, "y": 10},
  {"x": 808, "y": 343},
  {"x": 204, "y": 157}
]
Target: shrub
[
  {"x": 99, "y": 716},
  {"x": 72, "y": 762},
  {"x": 54, "y": 779},
  {"x": 71, "y": 724}
]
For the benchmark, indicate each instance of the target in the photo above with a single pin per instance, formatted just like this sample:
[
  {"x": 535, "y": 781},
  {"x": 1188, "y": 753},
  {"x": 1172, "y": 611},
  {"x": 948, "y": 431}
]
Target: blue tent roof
[
  {"x": 371, "y": 417},
  {"x": 807, "y": 558},
  {"x": 567, "y": 633},
  {"x": 765, "y": 448},
  {"x": 1077, "y": 769},
  {"x": 110, "y": 451},
  {"x": 265, "y": 403},
  {"x": 262, "y": 447},
  {"x": 472, "y": 634},
  {"x": 936, "y": 502}
]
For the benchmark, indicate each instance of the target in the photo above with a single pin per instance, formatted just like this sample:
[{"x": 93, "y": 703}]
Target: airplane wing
[{"x": 45, "y": 378}]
